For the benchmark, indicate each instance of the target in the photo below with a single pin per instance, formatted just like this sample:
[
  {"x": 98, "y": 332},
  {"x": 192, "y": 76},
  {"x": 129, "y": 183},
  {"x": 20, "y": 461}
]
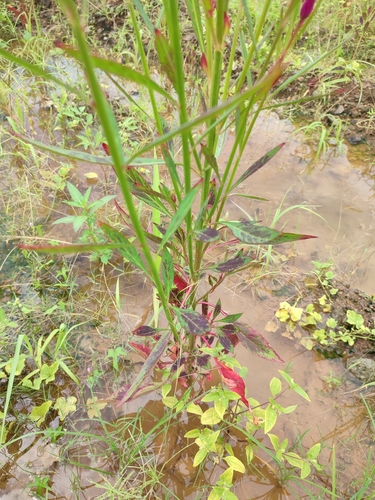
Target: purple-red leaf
[
  {"x": 256, "y": 343},
  {"x": 192, "y": 321},
  {"x": 203, "y": 361},
  {"x": 232, "y": 380},
  {"x": 288, "y": 237},
  {"x": 146, "y": 331},
  {"x": 225, "y": 340},
  {"x": 231, "y": 265},
  {"x": 209, "y": 234},
  {"x": 258, "y": 164},
  {"x": 151, "y": 361},
  {"x": 251, "y": 233},
  {"x": 217, "y": 309}
]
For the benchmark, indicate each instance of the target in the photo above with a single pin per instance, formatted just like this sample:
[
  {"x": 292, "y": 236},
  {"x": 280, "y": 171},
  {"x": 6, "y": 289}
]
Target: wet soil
[{"x": 352, "y": 102}]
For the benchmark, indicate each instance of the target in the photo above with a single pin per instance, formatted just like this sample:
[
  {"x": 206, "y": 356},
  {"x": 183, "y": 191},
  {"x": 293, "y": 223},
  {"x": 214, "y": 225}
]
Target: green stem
[{"x": 110, "y": 128}]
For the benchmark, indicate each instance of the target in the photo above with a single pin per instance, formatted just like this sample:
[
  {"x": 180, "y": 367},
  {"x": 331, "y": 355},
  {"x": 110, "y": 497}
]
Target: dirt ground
[{"x": 353, "y": 103}]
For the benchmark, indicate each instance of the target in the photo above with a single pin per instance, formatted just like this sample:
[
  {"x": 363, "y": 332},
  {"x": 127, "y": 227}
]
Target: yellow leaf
[
  {"x": 235, "y": 464},
  {"x": 170, "y": 401},
  {"x": 94, "y": 406},
  {"x": 210, "y": 417},
  {"x": 193, "y": 408}
]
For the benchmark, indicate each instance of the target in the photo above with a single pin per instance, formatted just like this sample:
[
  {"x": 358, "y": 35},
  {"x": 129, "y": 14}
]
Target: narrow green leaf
[
  {"x": 179, "y": 216},
  {"x": 257, "y": 165},
  {"x": 166, "y": 56},
  {"x": 126, "y": 249},
  {"x": 9, "y": 392},
  {"x": 122, "y": 71},
  {"x": 82, "y": 156},
  {"x": 167, "y": 269},
  {"x": 230, "y": 318},
  {"x": 65, "y": 220},
  {"x": 151, "y": 361},
  {"x": 69, "y": 248},
  {"x": 144, "y": 15},
  {"x": 289, "y": 237},
  {"x": 100, "y": 203},
  {"x": 211, "y": 160},
  {"x": 171, "y": 165},
  {"x": 78, "y": 222}
]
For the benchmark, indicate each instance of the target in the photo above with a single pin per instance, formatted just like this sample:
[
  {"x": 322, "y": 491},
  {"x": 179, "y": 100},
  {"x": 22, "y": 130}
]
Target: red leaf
[
  {"x": 21, "y": 15},
  {"x": 106, "y": 149},
  {"x": 145, "y": 352},
  {"x": 146, "y": 331},
  {"x": 180, "y": 282},
  {"x": 232, "y": 380}
]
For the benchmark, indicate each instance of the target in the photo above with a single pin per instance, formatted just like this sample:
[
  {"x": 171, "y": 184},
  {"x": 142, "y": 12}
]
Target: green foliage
[
  {"x": 87, "y": 216},
  {"x": 315, "y": 316}
]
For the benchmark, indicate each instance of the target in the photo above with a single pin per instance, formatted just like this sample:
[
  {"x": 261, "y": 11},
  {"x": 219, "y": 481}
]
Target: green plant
[
  {"x": 93, "y": 233},
  {"x": 332, "y": 381},
  {"x": 179, "y": 252},
  {"x": 314, "y": 317},
  {"x": 40, "y": 487}
]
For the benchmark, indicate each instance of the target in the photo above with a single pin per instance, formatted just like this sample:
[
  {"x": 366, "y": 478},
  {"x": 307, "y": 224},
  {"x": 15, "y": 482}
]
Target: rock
[
  {"x": 355, "y": 139},
  {"x": 362, "y": 368},
  {"x": 339, "y": 110}
]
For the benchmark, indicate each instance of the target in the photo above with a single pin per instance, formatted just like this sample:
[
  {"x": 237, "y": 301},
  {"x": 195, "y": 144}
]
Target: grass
[{"x": 48, "y": 292}]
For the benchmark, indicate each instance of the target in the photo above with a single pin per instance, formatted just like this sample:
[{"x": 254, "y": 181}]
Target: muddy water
[{"x": 339, "y": 189}]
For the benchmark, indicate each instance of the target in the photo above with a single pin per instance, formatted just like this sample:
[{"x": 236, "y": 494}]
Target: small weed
[
  {"x": 87, "y": 216},
  {"x": 332, "y": 381}
]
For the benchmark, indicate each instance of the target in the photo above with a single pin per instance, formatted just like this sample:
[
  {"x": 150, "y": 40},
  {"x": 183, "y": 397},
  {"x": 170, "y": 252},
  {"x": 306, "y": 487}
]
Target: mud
[{"x": 351, "y": 102}]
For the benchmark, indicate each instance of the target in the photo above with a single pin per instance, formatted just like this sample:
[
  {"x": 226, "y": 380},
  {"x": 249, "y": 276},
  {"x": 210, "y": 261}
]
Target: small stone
[
  {"x": 355, "y": 139},
  {"x": 339, "y": 110},
  {"x": 362, "y": 368}
]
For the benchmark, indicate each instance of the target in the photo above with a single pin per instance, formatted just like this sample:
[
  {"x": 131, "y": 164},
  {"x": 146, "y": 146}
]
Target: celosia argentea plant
[{"x": 178, "y": 264}]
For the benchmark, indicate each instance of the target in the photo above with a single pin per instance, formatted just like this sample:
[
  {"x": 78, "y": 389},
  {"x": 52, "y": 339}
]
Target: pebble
[{"x": 339, "y": 110}]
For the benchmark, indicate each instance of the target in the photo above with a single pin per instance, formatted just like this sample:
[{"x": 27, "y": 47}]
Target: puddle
[{"x": 341, "y": 190}]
